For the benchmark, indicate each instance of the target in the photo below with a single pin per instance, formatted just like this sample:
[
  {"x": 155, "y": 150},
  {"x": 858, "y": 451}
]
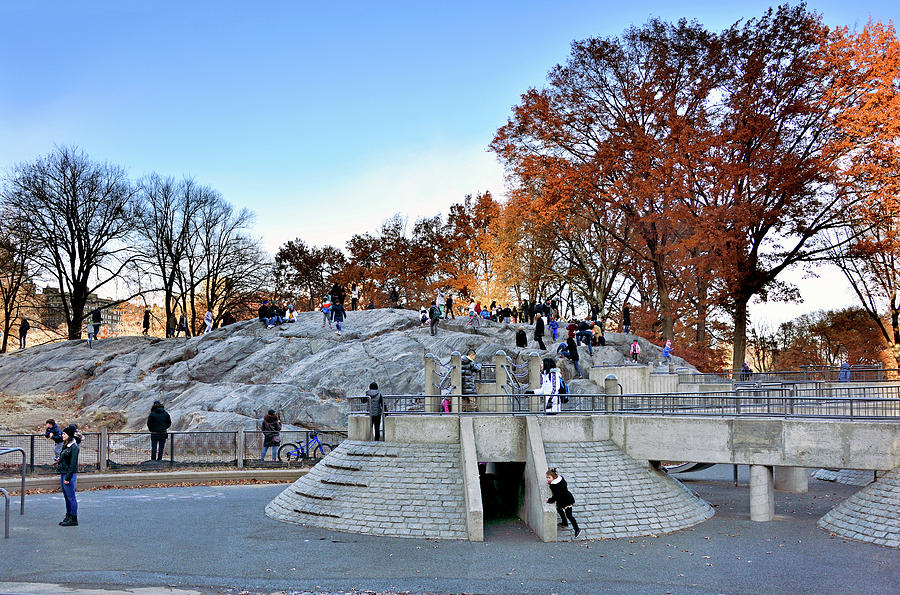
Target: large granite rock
[{"x": 233, "y": 375}]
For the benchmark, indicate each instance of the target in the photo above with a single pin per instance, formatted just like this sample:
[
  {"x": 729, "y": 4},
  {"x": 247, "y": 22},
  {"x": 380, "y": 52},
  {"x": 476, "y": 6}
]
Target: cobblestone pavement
[{"x": 217, "y": 540}]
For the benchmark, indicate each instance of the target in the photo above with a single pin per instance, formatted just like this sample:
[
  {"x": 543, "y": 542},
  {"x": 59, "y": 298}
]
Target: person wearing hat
[
  {"x": 271, "y": 429},
  {"x": 68, "y": 474},
  {"x": 158, "y": 423}
]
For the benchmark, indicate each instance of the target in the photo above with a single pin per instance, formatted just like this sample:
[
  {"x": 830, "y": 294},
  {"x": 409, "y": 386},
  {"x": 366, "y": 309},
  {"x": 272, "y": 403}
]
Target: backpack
[
  {"x": 434, "y": 313},
  {"x": 521, "y": 338},
  {"x": 563, "y": 391}
]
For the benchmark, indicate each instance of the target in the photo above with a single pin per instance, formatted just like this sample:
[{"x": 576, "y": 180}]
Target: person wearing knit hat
[{"x": 68, "y": 474}]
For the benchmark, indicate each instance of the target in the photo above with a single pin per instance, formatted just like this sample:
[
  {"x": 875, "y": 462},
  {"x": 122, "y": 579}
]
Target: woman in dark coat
[
  {"x": 572, "y": 354},
  {"x": 271, "y": 429},
  {"x": 563, "y": 498},
  {"x": 68, "y": 478}
]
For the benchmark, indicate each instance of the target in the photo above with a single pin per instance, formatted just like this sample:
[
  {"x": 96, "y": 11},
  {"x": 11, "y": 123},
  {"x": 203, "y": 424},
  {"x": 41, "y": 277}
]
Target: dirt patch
[{"x": 26, "y": 415}]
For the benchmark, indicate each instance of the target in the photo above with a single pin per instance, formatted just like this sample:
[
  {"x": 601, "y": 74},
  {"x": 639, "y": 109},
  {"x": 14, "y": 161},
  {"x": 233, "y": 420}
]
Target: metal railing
[
  {"x": 131, "y": 450},
  {"x": 6, "y": 451},
  {"x": 769, "y": 402},
  {"x": 858, "y": 373},
  {"x": 5, "y": 495}
]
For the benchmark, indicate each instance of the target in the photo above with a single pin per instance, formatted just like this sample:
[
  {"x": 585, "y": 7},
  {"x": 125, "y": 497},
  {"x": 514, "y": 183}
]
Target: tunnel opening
[{"x": 502, "y": 494}]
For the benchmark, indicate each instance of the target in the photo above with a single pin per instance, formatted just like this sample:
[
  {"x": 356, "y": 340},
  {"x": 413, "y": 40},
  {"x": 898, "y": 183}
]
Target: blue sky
[{"x": 324, "y": 120}]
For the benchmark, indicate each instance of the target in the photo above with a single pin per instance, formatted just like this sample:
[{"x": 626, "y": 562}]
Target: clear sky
[{"x": 323, "y": 119}]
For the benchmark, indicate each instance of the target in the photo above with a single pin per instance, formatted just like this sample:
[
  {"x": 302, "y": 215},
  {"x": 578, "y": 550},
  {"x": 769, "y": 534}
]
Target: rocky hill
[{"x": 234, "y": 374}]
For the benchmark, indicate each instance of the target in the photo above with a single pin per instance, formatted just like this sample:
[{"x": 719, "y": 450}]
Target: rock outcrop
[{"x": 234, "y": 374}]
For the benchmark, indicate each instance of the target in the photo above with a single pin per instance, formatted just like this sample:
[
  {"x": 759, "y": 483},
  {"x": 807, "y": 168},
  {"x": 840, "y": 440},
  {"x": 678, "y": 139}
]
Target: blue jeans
[
  {"x": 69, "y": 493},
  {"x": 577, "y": 369},
  {"x": 274, "y": 448},
  {"x": 587, "y": 336},
  {"x": 338, "y": 324}
]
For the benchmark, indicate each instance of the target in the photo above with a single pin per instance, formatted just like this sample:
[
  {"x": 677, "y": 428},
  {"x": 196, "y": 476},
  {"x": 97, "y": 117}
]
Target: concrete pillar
[
  {"x": 534, "y": 380},
  {"x": 432, "y": 393},
  {"x": 610, "y": 387},
  {"x": 497, "y": 403},
  {"x": 471, "y": 480},
  {"x": 359, "y": 427},
  {"x": 533, "y": 509},
  {"x": 456, "y": 381},
  {"x": 104, "y": 447},
  {"x": 239, "y": 442},
  {"x": 762, "y": 493},
  {"x": 792, "y": 479}
]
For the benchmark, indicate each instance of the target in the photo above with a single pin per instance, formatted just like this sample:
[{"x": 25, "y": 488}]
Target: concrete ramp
[
  {"x": 872, "y": 514},
  {"x": 617, "y": 496},
  {"x": 380, "y": 488}
]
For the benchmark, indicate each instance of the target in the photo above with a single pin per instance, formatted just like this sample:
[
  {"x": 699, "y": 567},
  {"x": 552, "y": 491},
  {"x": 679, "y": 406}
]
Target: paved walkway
[{"x": 216, "y": 539}]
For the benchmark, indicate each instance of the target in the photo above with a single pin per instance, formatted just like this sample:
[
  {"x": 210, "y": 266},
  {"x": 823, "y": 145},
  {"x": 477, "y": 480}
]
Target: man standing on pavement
[{"x": 158, "y": 423}]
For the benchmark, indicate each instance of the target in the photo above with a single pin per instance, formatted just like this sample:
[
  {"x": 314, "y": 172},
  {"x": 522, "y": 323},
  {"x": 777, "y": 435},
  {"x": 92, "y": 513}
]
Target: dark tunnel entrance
[{"x": 502, "y": 495}]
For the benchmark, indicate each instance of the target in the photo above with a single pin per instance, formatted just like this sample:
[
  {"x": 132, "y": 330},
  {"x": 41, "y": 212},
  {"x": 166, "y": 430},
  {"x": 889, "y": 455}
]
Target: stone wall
[
  {"x": 872, "y": 514},
  {"x": 617, "y": 496},
  {"x": 378, "y": 488}
]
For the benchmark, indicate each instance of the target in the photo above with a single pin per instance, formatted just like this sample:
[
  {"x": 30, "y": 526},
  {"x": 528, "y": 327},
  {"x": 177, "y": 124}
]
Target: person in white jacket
[
  {"x": 208, "y": 319},
  {"x": 550, "y": 381}
]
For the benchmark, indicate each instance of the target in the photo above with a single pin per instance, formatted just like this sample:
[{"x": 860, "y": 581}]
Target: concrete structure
[
  {"x": 871, "y": 514},
  {"x": 52, "y": 312}
]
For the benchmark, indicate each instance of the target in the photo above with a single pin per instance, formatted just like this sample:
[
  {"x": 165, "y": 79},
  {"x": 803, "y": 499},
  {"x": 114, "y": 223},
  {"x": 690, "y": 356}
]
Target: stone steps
[
  {"x": 872, "y": 514},
  {"x": 394, "y": 489},
  {"x": 617, "y": 496}
]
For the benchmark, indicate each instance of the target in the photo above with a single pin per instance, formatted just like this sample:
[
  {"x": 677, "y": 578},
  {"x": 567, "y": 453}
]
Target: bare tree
[
  {"x": 17, "y": 244},
  {"x": 82, "y": 215}
]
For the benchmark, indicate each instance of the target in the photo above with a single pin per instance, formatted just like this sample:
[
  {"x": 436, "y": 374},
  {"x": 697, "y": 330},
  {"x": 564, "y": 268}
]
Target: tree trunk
[
  {"x": 665, "y": 305},
  {"x": 702, "y": 291},
  {"x": 739, "y": 353}
]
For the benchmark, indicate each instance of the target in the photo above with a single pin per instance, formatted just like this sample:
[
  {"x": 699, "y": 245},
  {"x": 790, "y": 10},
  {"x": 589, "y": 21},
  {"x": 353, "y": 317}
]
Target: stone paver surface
[{"x": 217, "y": 539}]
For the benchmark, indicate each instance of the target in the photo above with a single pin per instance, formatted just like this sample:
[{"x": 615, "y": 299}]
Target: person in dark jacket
[
  {"x": 53, "y": 432},
  {"x": 271, "y": 429},
  {"x": 626, "y": 318},
  {"x": 572, "y": 354},
  {"x": 563, "y": 498},
  {"x": 68, "y": 475},
  {"x": 539, "y": 331},
  {"x": 394, "y": 297},
  {"x": 339, "y": 314},
  {"x": 146, "y": 324},
  {"x": 158, "y": 423},
  {"x": 376, "y": 409},
  {"x": 96, "y": 320},
  {"x": 23, "y": 332}
]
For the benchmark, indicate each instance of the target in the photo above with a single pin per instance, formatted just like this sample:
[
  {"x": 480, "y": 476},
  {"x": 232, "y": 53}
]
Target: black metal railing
[
  {"x": 858, "y": 373},
  {"x": 132, "y": 450},
  {"x": 777, "y": 402}
]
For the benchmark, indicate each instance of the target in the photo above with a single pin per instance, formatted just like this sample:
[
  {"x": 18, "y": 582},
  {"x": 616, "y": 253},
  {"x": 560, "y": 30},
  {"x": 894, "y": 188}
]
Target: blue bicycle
[{"x": 313, "y": 449}]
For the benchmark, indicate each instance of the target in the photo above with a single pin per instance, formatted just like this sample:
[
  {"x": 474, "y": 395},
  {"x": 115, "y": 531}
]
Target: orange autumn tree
[{"x": 867, "y": 89}]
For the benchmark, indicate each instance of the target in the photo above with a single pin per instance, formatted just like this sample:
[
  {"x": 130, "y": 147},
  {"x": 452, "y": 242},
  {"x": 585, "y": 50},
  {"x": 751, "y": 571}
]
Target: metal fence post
[
  {"x": 104, "y": 447},
  {"x": 240, "y": 441},
  {"x": 172, "y": 449},
  {"x": 31, "y": 455}
]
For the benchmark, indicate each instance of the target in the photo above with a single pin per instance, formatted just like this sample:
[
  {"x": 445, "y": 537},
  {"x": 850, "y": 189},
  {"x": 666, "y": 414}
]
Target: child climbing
[
  {"x": 667, "y": 352},
  {"x": 635, "y": 351},
  {"x": 563, "y": 498}
]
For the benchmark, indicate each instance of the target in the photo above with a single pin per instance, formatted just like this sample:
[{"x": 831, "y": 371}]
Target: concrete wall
[
  {"x": 534, "y": 510},
  {"x": 746, "y": 441},
  {"x": 471, "y": 480},
  {"x": 635, "y": 380}
]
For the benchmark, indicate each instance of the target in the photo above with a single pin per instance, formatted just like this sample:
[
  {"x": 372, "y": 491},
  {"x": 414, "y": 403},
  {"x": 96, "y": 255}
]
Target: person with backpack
[
  {"x": 539, "y": 331},
  {"x": 52, "y": 432},
  {"x": 563, "y": 498},
  {"x": 434, "y": 313},
  {"x": 271, "y": 429},
  {"x": 158, "y": 423},
  {"x": 68, "y": 474},
  {"x": 376, "y": 409},
  {"x": 551, "y": 379},
  {"x": 635, "y": 350}
]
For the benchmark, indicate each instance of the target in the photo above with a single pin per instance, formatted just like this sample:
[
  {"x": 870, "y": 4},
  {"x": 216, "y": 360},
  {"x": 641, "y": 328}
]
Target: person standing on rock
[
  {"x": 208, "y": 321},
  {"x": 339, "y": 314},
  {"x": 394, "y": 297},
  {"x": 24, "y": 325},
  {"x": 449, "y": 311},
  {"x": 635, "y": 351},
  {"x": 326, "y": 311},
  {"x": 539, "y": 331},
  {"x": 440, "y": 300},
  {"x": 158, "y": 422},
  {"x": 563, "y": 498},
  {"x": 354, "y": 296},
  {"x": 96, "y": 320},
  {"x": 271, "y": 429},
  {"x": 626, "y": 318},
  {"x": 434, "y": 314},
  {"x": 376, "y": 409},
  {"x": 68, "y": 474},
  {"x": 146, "y": 324}
]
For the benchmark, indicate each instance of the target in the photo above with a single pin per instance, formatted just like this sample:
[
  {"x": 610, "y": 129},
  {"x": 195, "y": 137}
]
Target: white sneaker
[{"x": 339, "y": 333}]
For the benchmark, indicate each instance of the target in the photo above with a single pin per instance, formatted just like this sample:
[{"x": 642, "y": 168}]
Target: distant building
[{"x": 52, "y": 312}]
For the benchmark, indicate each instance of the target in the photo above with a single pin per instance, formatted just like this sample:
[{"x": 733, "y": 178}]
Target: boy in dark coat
[{"x": 158, "y": 423}]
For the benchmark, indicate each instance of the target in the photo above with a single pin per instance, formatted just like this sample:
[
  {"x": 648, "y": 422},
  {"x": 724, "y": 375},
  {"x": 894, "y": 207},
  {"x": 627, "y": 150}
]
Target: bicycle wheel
[
  {"x": 289, "y": 453},
  {"x": 321, "y": 450}
]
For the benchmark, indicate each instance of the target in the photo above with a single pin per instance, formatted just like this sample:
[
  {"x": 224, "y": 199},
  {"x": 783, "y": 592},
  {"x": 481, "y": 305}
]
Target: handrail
[
  {"x": 6, "y": 451},
  {"x": 5, "y": 514}
]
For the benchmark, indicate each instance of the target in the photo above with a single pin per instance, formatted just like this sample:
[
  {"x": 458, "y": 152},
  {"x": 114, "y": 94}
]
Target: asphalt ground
[{"x": 217, "y": 540}]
